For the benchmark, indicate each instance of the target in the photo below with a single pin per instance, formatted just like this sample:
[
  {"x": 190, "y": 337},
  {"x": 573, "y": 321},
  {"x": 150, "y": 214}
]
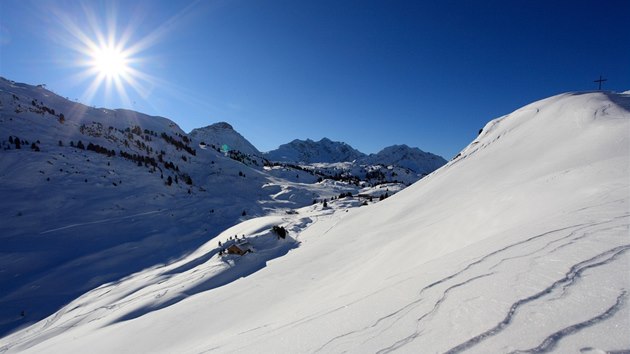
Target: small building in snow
[{"x": 240, "y": 248}]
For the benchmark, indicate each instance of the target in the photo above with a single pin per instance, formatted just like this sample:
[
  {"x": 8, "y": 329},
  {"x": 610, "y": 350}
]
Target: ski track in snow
[
  {"x": 436, "y": 305},
  {"x": 550, "y": 342},
  {"x": 401, "y": 312},
  {"x": 568, "y": 280},
  {"x": 571, "y": 242},
  {"x": 572, "y": 276},
  {"x": 557, "y": 237},
  {"x": 102, "y": 221}
]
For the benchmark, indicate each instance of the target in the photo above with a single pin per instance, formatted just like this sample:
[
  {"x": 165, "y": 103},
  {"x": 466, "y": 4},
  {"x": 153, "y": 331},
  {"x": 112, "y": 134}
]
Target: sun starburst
[
  {"x": 108, "y": 56},
  {"x": 110, "y": 62}
]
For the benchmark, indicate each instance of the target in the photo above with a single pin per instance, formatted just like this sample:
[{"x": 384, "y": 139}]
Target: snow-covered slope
[
  {"x": 521, "y": 244},
  {"x": 94, "y": 195},
  {"x": 220, "y": 134},
  {"x": 309, "y": 151}
]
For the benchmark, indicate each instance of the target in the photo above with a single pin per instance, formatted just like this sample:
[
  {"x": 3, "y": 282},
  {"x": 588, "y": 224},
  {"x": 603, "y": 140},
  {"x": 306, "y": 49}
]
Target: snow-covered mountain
[
  {"x": 413, "y": 159},
  {"x": 222, "y": 133},
  {"x": 499, "y": 251},
  {"x": 398, "y": 163},
  {"x": 309, "y": 151},
  {"x": 92, "y": 195}
]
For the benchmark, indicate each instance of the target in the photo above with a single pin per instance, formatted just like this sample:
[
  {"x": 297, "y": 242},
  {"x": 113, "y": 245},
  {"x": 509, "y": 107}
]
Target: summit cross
[{"x": 600, "y": 82}]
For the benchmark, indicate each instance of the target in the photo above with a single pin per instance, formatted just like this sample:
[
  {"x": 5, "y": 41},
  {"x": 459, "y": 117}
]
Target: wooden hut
[{"x": 239, "y": 248}]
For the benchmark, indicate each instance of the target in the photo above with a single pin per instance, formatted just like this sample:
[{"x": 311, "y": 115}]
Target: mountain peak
[
  {"x": 216, "y": 127},
  {"x": 408, "y": 157},
  {"x": 221, "y": 125},
  {"x": 309, "y": 151},
  {"x": 221, "y": 133}
]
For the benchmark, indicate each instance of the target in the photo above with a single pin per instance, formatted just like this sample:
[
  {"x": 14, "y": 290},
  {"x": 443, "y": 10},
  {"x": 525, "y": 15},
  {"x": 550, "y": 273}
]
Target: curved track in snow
[{"x": 508, "y": 262}]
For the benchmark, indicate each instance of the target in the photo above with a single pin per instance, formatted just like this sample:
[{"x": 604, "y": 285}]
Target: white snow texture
[{"x": 519, "y": 245}]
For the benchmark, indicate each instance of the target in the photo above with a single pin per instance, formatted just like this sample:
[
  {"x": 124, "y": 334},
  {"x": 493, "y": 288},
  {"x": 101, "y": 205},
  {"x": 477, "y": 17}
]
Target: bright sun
[
  {"x": 109, "y": 56},
  {"x": 110, "y": 62}
]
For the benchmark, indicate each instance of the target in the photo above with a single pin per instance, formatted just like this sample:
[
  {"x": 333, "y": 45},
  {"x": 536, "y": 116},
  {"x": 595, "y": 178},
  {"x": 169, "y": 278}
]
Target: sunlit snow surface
[{"x": 521, "y": 244}]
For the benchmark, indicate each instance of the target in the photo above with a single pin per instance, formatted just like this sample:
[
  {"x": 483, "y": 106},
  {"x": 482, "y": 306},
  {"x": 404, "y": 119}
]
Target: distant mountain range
[{"x": 307, "y": 152}]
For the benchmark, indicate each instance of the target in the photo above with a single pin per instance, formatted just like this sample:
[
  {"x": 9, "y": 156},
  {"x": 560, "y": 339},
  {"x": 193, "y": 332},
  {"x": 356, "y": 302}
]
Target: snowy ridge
[{"x": 494, "y": 252}]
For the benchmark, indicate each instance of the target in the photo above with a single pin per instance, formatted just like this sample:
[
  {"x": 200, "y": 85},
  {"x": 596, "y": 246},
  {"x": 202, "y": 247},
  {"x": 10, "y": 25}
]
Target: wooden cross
[{"x": 600, "y": 82}]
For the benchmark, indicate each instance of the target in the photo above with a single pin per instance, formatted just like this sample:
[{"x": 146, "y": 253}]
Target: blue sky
[{"x": 371, "y": 73}]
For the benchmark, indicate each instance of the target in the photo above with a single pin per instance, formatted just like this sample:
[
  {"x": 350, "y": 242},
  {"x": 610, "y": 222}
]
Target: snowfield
[{"x": 521, "y": 244}]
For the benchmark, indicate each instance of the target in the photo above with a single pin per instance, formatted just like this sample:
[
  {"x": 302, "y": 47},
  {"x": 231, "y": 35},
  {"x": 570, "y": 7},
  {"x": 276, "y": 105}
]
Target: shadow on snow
[{"x": 239, "y": 267}]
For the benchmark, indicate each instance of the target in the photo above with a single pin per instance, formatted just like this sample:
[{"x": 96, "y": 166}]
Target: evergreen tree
[{"x": 280, "y": 231}]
